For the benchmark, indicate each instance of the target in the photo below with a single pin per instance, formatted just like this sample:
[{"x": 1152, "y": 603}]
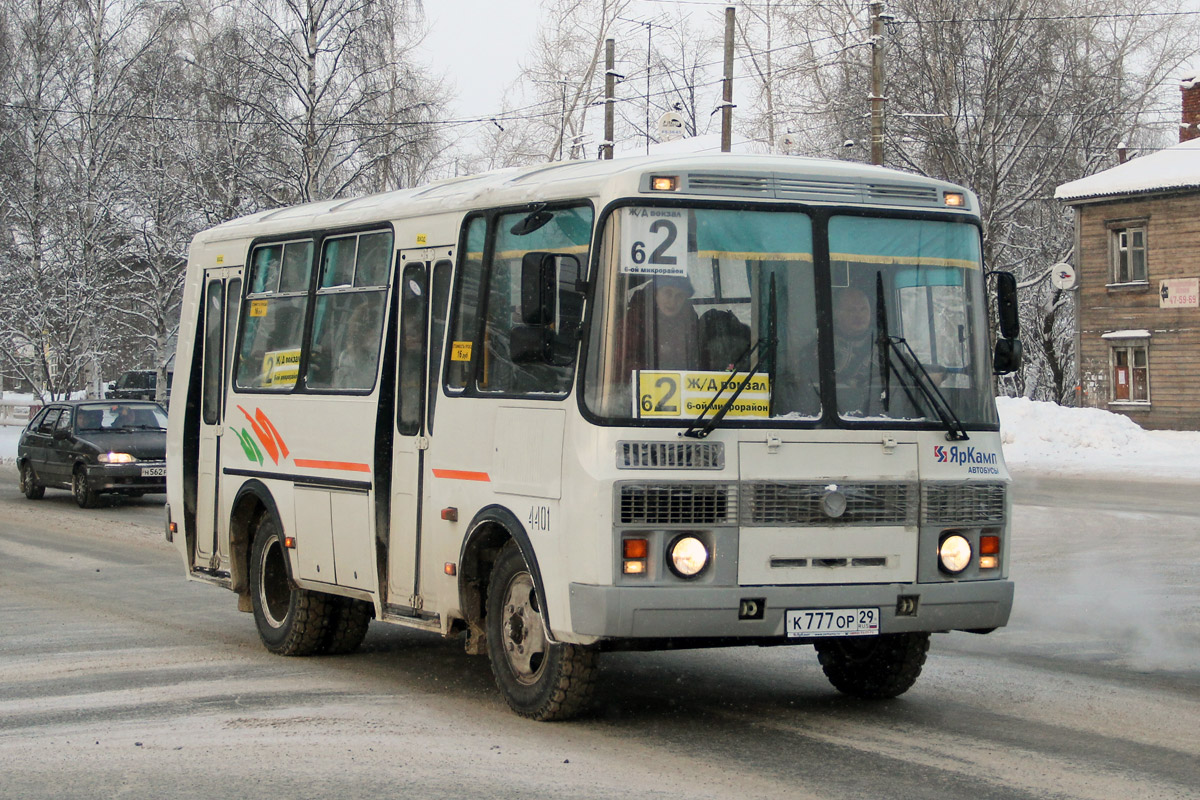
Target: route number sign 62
[{"x": 654, "y": 241}]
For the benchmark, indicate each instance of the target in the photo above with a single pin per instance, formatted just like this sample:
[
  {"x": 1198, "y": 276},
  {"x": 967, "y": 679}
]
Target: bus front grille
[
  {"x": 676, "y": 504},
  {"x": 670, "y": 455},
  {"x": 962, "y": 503},
  {"x": 778, "y": 504}
]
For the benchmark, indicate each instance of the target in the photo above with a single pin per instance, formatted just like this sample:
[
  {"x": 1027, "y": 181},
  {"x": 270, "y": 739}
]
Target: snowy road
[{"x": 119, "y": 678}]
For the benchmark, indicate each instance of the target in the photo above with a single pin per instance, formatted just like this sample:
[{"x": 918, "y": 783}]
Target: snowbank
[{"x": 1046, "y": 437}]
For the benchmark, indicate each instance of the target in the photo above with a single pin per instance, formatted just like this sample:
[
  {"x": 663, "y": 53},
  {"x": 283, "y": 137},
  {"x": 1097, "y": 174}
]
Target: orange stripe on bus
[
  {"x": 345, "y": 466},
  {"x": 461, "y": 475}
]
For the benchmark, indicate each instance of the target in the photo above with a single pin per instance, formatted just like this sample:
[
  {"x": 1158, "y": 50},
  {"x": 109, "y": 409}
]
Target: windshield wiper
[
  {"x": 912, "y": 365},
  {"x": 766, "y": 355},
  {"x": 920, "y": 378}
]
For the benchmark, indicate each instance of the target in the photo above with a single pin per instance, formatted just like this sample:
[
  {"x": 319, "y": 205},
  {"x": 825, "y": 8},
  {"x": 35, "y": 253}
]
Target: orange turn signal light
[
  {"x": 289, "y": 542},
  {"x": 450, "y": 568},
  {"x": 989, "y": 545},
  {"x": 635, "y": 548}
]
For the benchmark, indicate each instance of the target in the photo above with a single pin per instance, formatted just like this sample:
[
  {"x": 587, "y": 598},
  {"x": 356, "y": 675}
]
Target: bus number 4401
[{"x": 539, "y": 518}]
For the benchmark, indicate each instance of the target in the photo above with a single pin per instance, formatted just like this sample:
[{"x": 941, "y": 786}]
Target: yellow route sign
[{"x": 666, "y": 395}]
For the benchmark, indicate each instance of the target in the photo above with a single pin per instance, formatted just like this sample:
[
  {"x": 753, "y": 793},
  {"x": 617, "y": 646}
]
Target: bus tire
[
  {"x": 31, "y": 487},
  {"x": 873, "y": 667},
  {"x": 348, "y": 622},
  {"x": 538, "y": 679},
  {"x": 291, "y": 621},
  {"x": 84, "y": 496}
]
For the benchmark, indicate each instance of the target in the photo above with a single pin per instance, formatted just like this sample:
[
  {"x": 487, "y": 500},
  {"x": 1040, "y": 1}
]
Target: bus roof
[{"x": 750, "y": 177}]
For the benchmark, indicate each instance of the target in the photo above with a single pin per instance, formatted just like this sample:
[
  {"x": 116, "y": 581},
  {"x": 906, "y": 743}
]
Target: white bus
[{"x": 631, "y": 404}]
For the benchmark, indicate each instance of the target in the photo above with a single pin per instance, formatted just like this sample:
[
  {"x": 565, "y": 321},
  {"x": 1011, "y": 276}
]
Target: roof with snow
[{"x": 1171, "y": 169}]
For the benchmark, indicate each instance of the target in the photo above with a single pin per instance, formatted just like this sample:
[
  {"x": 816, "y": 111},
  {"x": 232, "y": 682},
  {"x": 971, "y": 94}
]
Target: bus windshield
[{"x": 696, "y": 304}]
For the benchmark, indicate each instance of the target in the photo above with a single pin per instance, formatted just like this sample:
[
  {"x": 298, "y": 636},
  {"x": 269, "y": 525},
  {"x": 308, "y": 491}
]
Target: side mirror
[
  {"x": 1007, "y": 357},
  {"x": 544, "y": 277},
  {"x": 538, "y": 283},
  {"x": 530, "y": 344},
  {"x": 1006, "y": 305}
]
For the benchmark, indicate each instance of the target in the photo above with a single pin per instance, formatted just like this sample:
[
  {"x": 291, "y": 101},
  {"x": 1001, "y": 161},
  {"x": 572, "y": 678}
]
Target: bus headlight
[
  {"x": 954, "y": 553},
  {"x": 687, "y": 556}
]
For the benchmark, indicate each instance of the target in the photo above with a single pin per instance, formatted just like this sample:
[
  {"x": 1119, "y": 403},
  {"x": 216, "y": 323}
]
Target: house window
[
  {"x": 1130, "y": 373},
  {"x": 1129, "y": 254}
]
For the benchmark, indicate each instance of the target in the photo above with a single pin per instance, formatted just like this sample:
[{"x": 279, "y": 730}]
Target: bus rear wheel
[
  {"x": 348, "y": 621},
  {"x": 291, "y": 621},
  {"x": 874, "y": 667},
  {"x": 539, "y": 679}
]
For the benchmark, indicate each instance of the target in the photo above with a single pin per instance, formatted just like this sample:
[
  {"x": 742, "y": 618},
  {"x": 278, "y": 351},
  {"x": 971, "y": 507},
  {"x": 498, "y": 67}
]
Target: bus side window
[
  {"x": 561, "y": 239},
  {"x": 466, "y": 307},
  {"x": 343, "y": 351},
  {"x": 413, "y": 322},
  {"x": 273, "y": 317},
  {"x": 442, "y": 272}
]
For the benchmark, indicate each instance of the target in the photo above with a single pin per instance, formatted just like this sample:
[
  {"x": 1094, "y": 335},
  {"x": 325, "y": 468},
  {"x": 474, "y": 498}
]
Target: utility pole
[
  {"x": 610, "y": 87},
  {"x": 562, "y": 126},
  {"x": 877, "y": 98},
  {"x": 727, "y": 86},
  {"x": 649, "y": 26}
]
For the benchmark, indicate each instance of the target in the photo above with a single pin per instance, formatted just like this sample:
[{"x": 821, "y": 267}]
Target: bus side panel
[{"x": 316, "y": 453}]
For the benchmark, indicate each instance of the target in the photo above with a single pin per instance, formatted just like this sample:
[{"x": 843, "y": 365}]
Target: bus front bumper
[{"x": 692, "y": 612}]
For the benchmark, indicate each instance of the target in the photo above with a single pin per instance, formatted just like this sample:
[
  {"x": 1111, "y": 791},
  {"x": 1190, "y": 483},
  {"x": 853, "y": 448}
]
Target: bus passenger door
[
  {"x": 222, "y": 299},
  {"x": 417, "y": 373}
]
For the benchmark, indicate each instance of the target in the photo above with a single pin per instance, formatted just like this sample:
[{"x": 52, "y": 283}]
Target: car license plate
[
  {"x": 832, "y": 622},
  {"x": 154, "y": 472}
]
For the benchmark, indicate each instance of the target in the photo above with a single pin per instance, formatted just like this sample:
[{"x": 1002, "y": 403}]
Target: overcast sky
[{"x": 478, "y": 46}]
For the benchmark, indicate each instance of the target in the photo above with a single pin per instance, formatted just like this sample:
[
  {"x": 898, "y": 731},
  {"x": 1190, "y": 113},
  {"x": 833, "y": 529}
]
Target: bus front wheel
[
  {"x": 874, "y": 667},
  {"x": 539, "y": 679},
  {"x": 291, "y": 621}
]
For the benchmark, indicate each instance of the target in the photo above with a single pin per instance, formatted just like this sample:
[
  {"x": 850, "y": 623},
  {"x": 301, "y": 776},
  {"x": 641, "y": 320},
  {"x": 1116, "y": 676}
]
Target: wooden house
[{"x": 1137, "y": 236}]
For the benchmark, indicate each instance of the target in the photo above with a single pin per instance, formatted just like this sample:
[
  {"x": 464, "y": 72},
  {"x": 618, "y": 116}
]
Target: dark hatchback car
[{"x": 94, "y": 446}]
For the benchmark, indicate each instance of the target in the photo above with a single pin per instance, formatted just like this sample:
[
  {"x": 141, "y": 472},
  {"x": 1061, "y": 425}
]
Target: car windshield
[
  {"x": 697, "y": 302},
  {"x": 120, "y": 417}
]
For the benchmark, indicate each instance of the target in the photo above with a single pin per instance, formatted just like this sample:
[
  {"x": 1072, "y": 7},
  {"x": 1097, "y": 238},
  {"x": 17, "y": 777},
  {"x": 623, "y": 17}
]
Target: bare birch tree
[{"x": 341, "y": 94}]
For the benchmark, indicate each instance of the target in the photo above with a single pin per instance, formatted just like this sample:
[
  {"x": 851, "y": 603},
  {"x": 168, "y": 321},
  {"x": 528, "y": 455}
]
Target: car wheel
[
  {"x": 874, "y": 667},
  {"x": 30, "y": 486},
  {"x": 539, "y": 679},
  {"x": 84, "y": 496},
  {"x": 290, "y": 621}
]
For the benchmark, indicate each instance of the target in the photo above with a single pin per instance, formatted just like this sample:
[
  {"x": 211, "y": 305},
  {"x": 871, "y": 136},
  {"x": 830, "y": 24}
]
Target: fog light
[
  {"x": 689, "y": 556},
  {"x": 634, "y": 567},
  {"x": 955, "y": 553},
  {"x": 988, "y": 562}
]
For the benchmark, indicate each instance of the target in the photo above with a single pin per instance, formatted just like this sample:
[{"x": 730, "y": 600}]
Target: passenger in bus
[
  {"x": 724, "y": 341},
  {"x": 661, "y": 329},
  {"x": 359, "y": 356}
]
